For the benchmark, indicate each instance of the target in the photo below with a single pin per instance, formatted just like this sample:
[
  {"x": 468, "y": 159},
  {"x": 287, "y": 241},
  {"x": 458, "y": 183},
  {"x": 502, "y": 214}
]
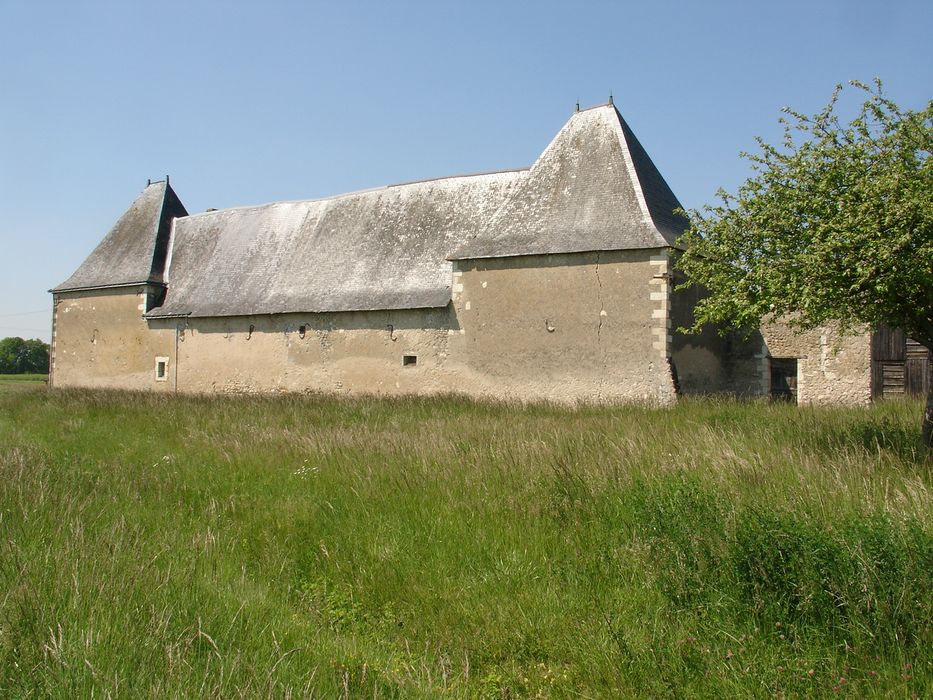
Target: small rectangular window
[
  {"x": 409, "y": 360},
  {"x": 161, "y": 369}
]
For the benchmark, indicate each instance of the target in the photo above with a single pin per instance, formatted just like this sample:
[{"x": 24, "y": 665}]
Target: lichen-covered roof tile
[{"x": 378, "y": 249}]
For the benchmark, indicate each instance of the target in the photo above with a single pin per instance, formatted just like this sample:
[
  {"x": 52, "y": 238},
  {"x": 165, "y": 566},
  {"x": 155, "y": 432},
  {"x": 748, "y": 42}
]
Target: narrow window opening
[
  {"x": 301, "y": 331},
  {"x": 409, "y": 360},
  {"x": 161, "y": 369}
]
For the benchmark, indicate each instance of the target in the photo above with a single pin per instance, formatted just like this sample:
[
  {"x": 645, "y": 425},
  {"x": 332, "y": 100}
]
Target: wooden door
[{"x": 918, "y": 369}]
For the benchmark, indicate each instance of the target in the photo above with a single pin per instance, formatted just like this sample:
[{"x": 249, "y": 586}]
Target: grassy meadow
[
  {"x": 10, "y": 382},
  {"x": 289, "y": 547}
]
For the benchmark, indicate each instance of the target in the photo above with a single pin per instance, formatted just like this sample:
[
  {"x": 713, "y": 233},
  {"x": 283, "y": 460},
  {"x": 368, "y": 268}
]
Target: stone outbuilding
[{"x": 553, "y": 282}]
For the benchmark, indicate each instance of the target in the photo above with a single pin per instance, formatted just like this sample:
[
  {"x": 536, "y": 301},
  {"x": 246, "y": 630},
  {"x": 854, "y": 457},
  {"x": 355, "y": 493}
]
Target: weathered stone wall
[
  {"x": 100, "y": 339},
  {"x": 348, "y": 352},
  {"x": 699, "y": 359},
  {"x": 591, "y": 326},
  {"x": 743, "y": 360},
  {"x": 709, "y": 362},
  {"x": 584, "y": 326},
  {"x": 570, "y": 327},
  {"x": 831, "y": 369}
]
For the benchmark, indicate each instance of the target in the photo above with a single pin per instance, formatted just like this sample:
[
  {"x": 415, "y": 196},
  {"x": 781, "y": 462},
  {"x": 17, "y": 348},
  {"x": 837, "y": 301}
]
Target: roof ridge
[
  {"x": 353, "y": 193},
  {"x": 456, "y": 177},
  {"x": 637, "y": 183},
  {"x": 599, "y": 106},
  {"x": 652, "y": 188}
]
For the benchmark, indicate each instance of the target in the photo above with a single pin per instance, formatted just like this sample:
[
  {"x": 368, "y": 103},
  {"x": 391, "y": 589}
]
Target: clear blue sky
[{"x": 244, "y": 103}]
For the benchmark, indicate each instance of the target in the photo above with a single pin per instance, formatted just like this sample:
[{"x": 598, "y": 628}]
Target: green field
[
  {"x": 429, "y": 548},
  {"x": 23, "y": 378}
]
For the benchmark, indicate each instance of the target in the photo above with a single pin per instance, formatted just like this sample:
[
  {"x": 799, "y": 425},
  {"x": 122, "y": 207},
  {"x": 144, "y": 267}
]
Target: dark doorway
[{"x": 784, "y": 379}]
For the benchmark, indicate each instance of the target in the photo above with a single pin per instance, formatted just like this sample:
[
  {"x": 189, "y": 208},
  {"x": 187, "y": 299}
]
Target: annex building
[{"x": 553, "y": 282}]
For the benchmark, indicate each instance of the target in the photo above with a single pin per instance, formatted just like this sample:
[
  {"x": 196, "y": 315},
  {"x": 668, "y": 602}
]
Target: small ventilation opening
[
  {"x": 301, "y": 331},
  {"x": 409, "y": 360}
]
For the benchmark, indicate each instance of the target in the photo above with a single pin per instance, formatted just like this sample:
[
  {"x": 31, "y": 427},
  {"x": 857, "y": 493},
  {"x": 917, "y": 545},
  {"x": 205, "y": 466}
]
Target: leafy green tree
[
  {"x": 10, "y": 351},
  {"x": 18, "y": 356},
  {"x": 36, "y": 357},
  {"x": 835, "y": 224}
]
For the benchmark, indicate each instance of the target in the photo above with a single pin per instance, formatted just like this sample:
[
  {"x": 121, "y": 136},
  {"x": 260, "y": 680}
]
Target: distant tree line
[{"x": 18, "y": 356}]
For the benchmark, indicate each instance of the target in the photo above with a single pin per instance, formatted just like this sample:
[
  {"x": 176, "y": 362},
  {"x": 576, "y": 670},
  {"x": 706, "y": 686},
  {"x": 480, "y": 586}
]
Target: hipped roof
[
  {"x": 133, "y": 252},
  {"x": 593, "y": 188}
]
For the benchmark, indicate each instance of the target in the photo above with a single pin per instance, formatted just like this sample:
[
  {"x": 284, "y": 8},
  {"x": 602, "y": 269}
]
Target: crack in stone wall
[{"x": 600, "y": 384}]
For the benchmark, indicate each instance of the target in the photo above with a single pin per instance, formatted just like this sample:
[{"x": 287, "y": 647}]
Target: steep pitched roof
[
  {"x": 134, "y": 250},
  {"x": 378, "y": 249},
  {"x": 593, "y": 188}
]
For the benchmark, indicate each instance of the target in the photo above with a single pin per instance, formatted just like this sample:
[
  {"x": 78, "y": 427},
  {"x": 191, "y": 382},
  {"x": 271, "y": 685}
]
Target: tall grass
[{"x": 417, "y": 548}]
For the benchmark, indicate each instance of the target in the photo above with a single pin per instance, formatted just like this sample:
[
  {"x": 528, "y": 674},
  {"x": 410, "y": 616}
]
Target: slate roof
[
  {"x": 378, "y": 249},
  {"x": 133, "y": 252},
  {"x": 593, "y": 188}
]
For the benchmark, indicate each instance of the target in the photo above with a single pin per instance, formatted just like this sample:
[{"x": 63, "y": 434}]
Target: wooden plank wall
[
  {"x": 918, "y": 372},
  {"x": 899, "y": 365}
]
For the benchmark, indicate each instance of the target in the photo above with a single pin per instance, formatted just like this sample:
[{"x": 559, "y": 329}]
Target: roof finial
[
  {"x": 578, "y": 104},
  {"x": 166, "y": 179},
  {"x": 148, "y": 181},
  {"x": 610, "y": 98}
]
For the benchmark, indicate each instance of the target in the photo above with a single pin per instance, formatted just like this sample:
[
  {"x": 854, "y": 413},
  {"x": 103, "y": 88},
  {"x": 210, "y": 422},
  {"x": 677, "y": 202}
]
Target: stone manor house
[{"x": 552, "y": 282}]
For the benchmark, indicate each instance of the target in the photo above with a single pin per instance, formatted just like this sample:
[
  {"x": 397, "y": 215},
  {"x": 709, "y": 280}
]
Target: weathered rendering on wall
[{"x": 553, "y": 282}]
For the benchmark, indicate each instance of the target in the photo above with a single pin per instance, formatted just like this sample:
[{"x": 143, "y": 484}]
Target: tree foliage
[
  {"x": 18, "y": 356},
  {"x": 834, "y": 224}
]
